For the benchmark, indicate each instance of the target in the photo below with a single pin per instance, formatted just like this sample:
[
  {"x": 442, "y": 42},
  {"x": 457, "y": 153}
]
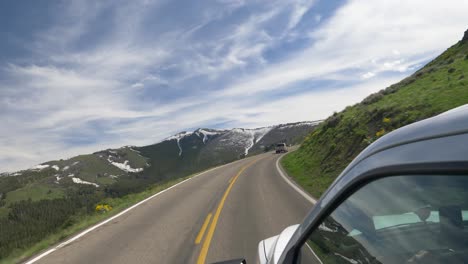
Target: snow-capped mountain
[
  {"x": 241, "y": 141},
  {"x": 176, "y": 156},
  {"x": 189, "y": 152},
  {"x": 237, "y": 138}
]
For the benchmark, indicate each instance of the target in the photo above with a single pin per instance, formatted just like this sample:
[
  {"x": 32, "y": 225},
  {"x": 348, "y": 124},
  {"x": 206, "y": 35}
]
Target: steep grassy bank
[{"x": 439, "y": 86}]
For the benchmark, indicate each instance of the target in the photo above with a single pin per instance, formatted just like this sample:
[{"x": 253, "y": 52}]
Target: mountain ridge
[
  {"x": 204, "y": 133},
  {"x": 207, "y": 133},
  {"x": 131, "y": 163},
  {"x": 188, "y": 152}
]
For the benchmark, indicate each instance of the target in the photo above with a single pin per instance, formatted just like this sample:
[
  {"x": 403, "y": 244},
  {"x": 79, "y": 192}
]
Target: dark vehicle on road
[
  {"x": 281, "y": 148},
  {"x": 404, "y": 199}
]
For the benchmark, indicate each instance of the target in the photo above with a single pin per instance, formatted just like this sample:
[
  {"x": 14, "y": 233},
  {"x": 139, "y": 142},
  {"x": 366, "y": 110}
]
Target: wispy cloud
[{"x": 111, "y": 73}]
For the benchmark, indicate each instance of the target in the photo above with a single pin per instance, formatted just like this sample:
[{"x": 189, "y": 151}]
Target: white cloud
[
  {"x": 216, "y": 76},
  {"x": 362, "y": 31},
  {"x": 368, "y": 75},
  {"x": 137, "y": 85},
  {"x": 233, "y": 3},
  {"x": 317, "y": 105},
  {"x": 299, "y": 9}
]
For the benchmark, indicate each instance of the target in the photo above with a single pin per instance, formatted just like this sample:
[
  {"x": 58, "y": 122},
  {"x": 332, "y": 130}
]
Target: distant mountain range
[
  {"x": 177, "y": 156},
  {"x": 188, "y": 152}
]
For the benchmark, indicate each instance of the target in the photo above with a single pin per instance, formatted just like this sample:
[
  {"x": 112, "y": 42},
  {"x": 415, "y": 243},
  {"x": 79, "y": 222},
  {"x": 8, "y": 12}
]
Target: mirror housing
[{"x": 271, "y": 249}]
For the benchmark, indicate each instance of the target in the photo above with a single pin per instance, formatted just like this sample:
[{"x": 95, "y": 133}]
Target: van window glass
[{"x": 400, "y": 219}]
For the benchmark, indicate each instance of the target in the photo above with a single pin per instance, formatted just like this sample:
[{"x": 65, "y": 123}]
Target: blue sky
[{"x": 79, "y": 76}]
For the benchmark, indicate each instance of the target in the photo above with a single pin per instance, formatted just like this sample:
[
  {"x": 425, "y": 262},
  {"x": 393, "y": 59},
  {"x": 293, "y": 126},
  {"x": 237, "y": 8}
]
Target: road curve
[{"x": 218, "y": 215}]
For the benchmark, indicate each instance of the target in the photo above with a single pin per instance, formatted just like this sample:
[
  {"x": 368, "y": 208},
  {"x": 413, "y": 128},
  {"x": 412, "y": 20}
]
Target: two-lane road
[{"x": 218, "y": 215}]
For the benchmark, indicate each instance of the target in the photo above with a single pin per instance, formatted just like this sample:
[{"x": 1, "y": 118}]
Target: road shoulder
[{"x": 289, "y": 180}]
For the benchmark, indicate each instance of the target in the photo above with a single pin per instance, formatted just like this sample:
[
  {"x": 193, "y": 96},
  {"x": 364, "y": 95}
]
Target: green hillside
[{"x": 439, "y": 86}]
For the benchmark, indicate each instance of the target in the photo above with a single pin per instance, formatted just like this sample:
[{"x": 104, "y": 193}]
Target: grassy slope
[
  {"x": 90, "y": 166},
  {"x": 439, "y": 86},
  {"x": 38, "y": 185},
  {"x": 35, "y": 192}
]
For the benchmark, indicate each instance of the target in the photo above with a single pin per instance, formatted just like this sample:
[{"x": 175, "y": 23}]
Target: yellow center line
[
  {"x": 203, "y": 229},
  {"x": 209, "y": 235},
  {"x": 230, "y": 180}
]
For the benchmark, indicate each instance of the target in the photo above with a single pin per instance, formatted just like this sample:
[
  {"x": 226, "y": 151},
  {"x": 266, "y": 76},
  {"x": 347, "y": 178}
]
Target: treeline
[
  {"x": 28, "y": 221},
  {"x": 127, "y": 186}
]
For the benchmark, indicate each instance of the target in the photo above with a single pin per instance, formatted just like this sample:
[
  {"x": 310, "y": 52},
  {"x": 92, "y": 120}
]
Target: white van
[{"x": 281, "y": 148}]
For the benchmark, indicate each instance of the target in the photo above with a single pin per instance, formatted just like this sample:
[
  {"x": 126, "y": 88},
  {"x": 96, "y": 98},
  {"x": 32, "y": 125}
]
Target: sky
[{"x": 81, "y": 76}]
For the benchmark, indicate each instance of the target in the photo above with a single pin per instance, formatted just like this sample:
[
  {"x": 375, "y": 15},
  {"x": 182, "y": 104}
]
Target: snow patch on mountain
[
  {"x": 207, "y": 133},
  {"x": 80, "y": 181},
  {"x": 248, "y": 137},
  {"x": 178, "y": 137},
  {"x": 132, "y": 149},
  {"x": 300, "y": 124},
  {"x": 40, "y": 167},
  {"x": 57, "y": 176},
  {"x": 124, "y": 166},
  {"x": 257, "y": 135},
  {"x": 55, "y": 167},
  {"x": 237, "y": 138}
]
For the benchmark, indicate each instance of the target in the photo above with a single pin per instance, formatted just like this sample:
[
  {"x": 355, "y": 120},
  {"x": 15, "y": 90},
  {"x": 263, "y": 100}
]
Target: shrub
[
  {"x": 391, "y": 89},
  {"x": 386, "y": 120},
  {"x": 332, "y": 121},
  {"x": 373, "y": 98},
  {"x": 451, "y": 70}
]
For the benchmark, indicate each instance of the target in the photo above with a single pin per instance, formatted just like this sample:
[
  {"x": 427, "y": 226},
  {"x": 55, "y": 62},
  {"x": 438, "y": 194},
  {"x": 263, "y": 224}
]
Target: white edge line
[
  {"x": 314, "y": 253},
  {"x": 301, "y": 192},
  {"x": 294, "y": 186},
  {"x": 117, "y": 215}
]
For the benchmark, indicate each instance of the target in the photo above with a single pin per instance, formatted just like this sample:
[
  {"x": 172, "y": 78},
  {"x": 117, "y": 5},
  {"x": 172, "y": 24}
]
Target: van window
[{"x": 401, "y": 219}]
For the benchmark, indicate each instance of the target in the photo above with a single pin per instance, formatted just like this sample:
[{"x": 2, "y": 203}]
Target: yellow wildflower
[
  {"x": 380, "y": 133},
  {"x": 103, "y": 208}
]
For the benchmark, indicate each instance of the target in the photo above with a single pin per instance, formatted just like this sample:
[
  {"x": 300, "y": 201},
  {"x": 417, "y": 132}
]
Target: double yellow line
[
  {"x": 203, "y": 229},
  {"x": 209, "y": 235}
]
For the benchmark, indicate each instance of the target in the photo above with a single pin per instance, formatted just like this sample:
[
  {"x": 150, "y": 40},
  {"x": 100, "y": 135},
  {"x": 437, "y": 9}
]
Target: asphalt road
[{"x": 235, "y": 206}]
